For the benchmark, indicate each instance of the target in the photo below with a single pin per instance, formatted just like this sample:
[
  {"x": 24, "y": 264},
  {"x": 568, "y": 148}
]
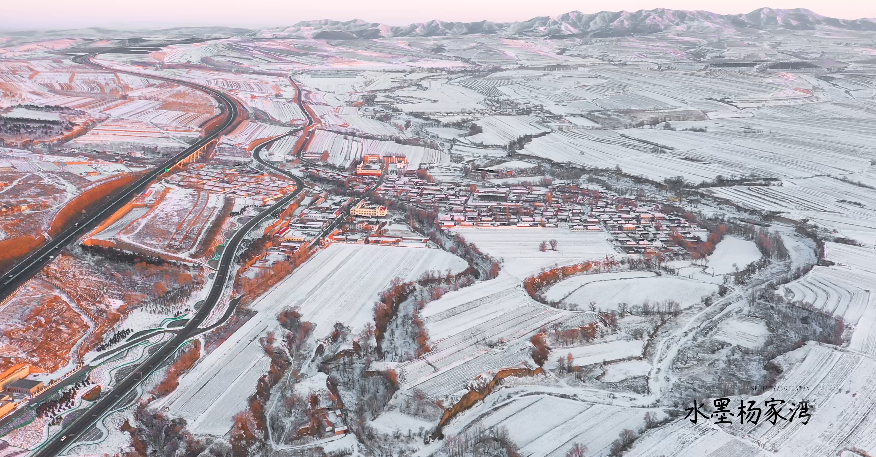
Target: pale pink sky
[{"x": 44, "y": 14}]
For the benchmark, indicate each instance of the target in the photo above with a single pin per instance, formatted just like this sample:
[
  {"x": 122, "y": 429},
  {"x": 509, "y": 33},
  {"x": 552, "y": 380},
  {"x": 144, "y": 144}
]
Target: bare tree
[
  {"x": 577, "y": 450},
  {"x": 623, "y": 442},
  {"x": 650, "y": 420},
  {"x": 553, "y": 245},
  {"x": 543, "y": 246}
]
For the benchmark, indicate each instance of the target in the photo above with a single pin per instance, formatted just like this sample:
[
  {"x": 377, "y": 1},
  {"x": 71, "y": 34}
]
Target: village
[{"x": 640, "y": 229}]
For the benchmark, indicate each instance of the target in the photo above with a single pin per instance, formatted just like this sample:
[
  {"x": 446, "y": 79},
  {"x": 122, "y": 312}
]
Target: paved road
[
  {"x": 129, "y": 383},
  {"x": 56, "y": 444},
  {"x": 33, "y": 263}
]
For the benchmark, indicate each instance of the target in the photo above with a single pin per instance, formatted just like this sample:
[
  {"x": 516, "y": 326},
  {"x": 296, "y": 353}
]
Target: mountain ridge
[
  {"x": 570, "y": 24},
  {"x": 575, "y": 23}
]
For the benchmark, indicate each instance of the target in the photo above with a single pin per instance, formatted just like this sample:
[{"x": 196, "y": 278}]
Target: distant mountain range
[{"x": 602, "y": 24}]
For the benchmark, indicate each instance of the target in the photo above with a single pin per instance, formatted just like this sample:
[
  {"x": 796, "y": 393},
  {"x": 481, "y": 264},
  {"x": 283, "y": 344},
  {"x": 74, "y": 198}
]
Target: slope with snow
[{"x": 339, "y": 284}]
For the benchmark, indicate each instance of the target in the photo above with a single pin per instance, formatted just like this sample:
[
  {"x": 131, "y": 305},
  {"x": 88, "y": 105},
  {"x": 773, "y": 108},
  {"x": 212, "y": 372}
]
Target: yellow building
[
  {"x": 6, "y": 407},
  {"x": 14, "y": 373},
  {"x": 366, "y": 210}
]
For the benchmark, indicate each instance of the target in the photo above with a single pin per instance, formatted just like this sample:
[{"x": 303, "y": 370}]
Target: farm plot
[
  {"x": 370, "y": 126},
  {"x": 116, "y": 135},
  {"x": 839, "y": 388},
  {"x": 859, "y": 258},
  {"x": 777, "y": 153},
  {"x": 832, "y": 290},
  {"x": 343, "y": 150},
  {"x": 334, "y": 83},
  {"x": 519, "y": 247},
  {"x": 110, "y": 232},
  {"x": 682, "y": 439},
  {"x": 339, "y": 284},
  {"x": 463, "y": 324},
  {"x": 599, "y": 149},
  {"x": 248, "y": 132},
  {"x": 617, "y": 372},
  {"x": 854, "y": 274},
  {"x": 610, "y": 289},
  {"x": 446, "y": 98},
  {"x": 836, "y": 383},
  {"x": 732, "y": 253},
  {"x": 281, "y": 110},
  {"x": 501, "y": 130},
  {"x": 175, "y": 224},
  {"x": 282, "y": 149},
  {"x": 565, "y": 287},
  {"x": 742, "y": 331},
  {"x": 835, "y": 205},
  {"x": 592, "y": 354},
  {"x": 543, "y": 425}
]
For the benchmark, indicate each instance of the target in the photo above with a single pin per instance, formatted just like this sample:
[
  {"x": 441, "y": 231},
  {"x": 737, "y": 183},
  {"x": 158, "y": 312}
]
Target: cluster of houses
[
  {"x": 513, "y": 205},
  {"x": 359, "y": 184},
  {"x": 15, "y": 386},
  {"x": 634, "y": 229},
  {"x": 377, "y": 165},
  {"x": 314, "y": 215},
  {"x": 641, "y": 230},
  {"x": 244, "y": 183}
]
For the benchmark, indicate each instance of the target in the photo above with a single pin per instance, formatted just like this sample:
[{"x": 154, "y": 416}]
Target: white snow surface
[
  {"x": 617, "y": 372},
  {"x": 747, "y": 332},
  {"x": 544, "y": 425},
  {"x": 633, "y": 288},
  {"x": 838, "y": 386},
  {"x": 732, "y": 250},
  {"x": 518, "y": 247},
  {"x": 339, "y": 284},
  {"x": 597, "y": 353}
]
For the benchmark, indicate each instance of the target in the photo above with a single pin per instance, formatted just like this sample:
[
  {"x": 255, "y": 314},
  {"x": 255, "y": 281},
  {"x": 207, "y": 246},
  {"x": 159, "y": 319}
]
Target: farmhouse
[{"x": 26, "y": 387}]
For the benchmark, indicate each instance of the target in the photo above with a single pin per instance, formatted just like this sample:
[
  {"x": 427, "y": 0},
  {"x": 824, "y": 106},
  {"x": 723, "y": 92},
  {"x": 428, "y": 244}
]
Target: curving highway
[
  {"x": 57, "y": 443},
  {"x": 28, "y": 267}
]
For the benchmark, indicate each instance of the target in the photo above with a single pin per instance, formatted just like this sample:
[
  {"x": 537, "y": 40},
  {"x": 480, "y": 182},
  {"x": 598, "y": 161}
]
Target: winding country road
[{"x": 57, "y": 443}]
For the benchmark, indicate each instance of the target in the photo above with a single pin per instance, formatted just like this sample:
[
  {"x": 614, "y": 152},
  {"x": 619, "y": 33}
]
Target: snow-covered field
[
  {"x": 732, "y": 253},
  {"x": 501, "y": 130},
  {"x": 345, "y": 149},
  {"x": 616, "y": 372},
  {"x": 462, "y": 325},
  {"x": 774, "y": 117},
  {"x": 565, "y": 287},
  {"x": 597, "y": 353},
  {"x": 839, "y": 388},
  {"x": 747, "y": 332},
  {"x": 339, "y": 284},
  {"x": 548, "y": 426},
  {"x": 632, "y": 288},
  {"x": 519, "y": 247}
]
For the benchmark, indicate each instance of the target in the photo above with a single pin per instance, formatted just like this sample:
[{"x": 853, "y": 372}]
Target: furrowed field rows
[
  {"x": 825, "y": 289},
  {"x": 459, "y": 333}
]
